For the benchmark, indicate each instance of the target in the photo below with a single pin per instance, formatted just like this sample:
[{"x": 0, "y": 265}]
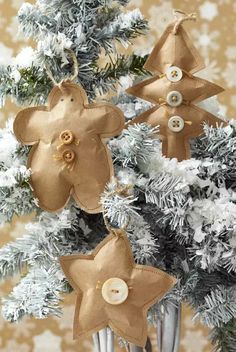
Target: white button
[
  {"x": 176, "y": 123},
  {"x": 174, "y": 74},
  {"x": 174, "y": 98},
  {"x": 115, "y": 291}
]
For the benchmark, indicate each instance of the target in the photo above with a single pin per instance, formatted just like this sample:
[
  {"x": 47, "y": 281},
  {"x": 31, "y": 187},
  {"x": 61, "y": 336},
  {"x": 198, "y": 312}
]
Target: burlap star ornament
[
  {"x": 114, "y": 291},
  {"x": 69, "y": 156},
  {"x": 175, "y": 91}
]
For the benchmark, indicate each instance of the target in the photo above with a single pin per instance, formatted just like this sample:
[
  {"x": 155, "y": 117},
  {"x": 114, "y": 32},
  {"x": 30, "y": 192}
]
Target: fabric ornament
[
  {"x": 114, "y": 291},
  {"x": 69, "y": 156},
  {"x": 176, "y": 91}
]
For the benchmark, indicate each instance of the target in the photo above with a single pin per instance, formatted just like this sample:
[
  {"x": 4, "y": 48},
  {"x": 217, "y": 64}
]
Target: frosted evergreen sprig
[
  {"x": 33, "y": 23},
  {"x": 135, "y": 145},
  {"x": 229, "y": 258},
  {"x": 123, "y": 28},
  {"x": 120, "y": 210},
  {"x": 14, "y": 257},
  {"x": 43, "y": 242},
  {"x": 166, "y": 191},
  {"x": 118, "y": 67},
  {"x": 219, "y": 307},
  {"x": 15, "y": 192},
  {"x": 224, "y": 337},
  {"x": 28, "y": 85},
  {"x": 118, "y": 205},
  {"x": 219, "y": 145},
  {"x": 31, "y": 297},
  {"x": 16, "y": 200}
]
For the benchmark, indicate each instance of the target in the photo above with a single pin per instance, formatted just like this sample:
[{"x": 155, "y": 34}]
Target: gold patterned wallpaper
[{"x": 214, "y": 34}]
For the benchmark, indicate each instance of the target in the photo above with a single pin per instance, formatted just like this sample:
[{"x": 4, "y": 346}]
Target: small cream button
[
  {"x": 176, "y": 123},
  {"x": 174, "y": 74},
  {"x": 115, "y": 291},
  {"x": 174, "y": 98}
]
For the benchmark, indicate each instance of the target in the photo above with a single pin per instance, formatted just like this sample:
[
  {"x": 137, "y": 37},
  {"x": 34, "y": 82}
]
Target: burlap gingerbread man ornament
[
  {"x": 176, "y": 91},
  {"x": 69, "y": 156}
]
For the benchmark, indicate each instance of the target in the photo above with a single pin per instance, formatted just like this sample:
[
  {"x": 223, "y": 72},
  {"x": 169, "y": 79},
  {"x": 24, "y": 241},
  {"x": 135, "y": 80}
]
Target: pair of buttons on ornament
[
  {"x": 174, "y": 98},
  {"x": 66, "y": 139}
]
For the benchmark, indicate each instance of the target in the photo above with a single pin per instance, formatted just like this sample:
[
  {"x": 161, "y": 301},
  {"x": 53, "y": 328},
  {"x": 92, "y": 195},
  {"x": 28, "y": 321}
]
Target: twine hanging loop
[
  {"x": 184, "y": 17},
  {"x": 74, "y": 74}
]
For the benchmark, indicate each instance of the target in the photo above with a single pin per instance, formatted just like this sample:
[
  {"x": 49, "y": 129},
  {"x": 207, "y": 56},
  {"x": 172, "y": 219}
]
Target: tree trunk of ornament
[{"x": 168, "y": 329}]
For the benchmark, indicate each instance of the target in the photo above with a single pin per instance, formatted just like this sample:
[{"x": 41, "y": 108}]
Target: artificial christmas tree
[{"x": 179, "y": 216}]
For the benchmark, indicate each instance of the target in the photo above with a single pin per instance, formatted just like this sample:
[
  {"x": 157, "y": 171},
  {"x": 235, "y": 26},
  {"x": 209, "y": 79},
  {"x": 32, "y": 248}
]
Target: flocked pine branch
[
  {"x": 119, "y": 66},
  {"x": 42, "y": 244},
  {"x": 33, "y": 23},
  {"x": 166, "y": 191},
  {"x": 120, "y": 210},
  {"x": 224, "y": 337},
  {"x": 124, "y": 27},
  {"x": 219, "y": 307},
  {"x": 39, "y": 301},
  {"x": 15, "y": 193},
  {"x": 219, "y": 145},
  {"x": 134, "y": 145},
  {"x": 86, "y": 28}
]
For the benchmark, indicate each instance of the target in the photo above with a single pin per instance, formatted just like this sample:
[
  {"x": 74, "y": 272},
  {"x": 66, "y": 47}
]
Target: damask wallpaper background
[{"x": 215, "y": 36}]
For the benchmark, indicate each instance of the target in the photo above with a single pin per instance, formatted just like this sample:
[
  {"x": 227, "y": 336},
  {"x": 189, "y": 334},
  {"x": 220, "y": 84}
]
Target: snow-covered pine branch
[
  {"x": 219, "y": 307},
  {"x": 37, "y": 295},
  {"x": 85, "y": 27},
  {"x": 15, "y": 193}
]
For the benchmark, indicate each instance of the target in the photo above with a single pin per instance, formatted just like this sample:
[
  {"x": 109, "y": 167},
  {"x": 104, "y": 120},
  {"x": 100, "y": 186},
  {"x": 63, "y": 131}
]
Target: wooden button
[
  {"x": 68, "y": 155},
  {"x": 66, "y": 137}
]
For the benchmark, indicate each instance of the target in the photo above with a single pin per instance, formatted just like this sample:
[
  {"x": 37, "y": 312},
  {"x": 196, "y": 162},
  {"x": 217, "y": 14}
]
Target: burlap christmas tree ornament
[
  {"x": 69, "y": 156},
  {"x": 114, "y": 291},
  {"x": 176, "y": 90}
]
